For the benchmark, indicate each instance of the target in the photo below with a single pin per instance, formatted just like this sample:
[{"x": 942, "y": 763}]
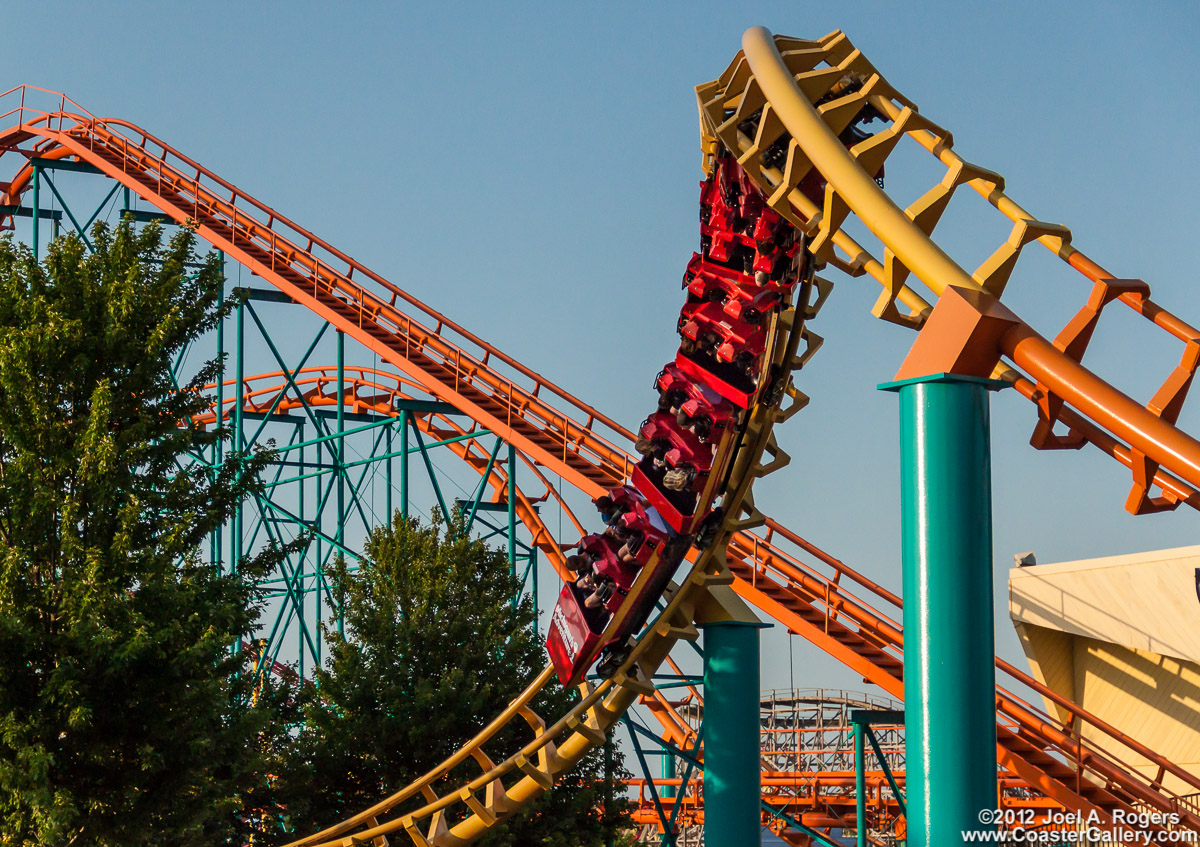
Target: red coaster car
[
  {"x": 706, "y": 280},
  {"x": 575, "y": 633},
  {"x": 610, "y": 576},
  {"x": 579, "y": 633},
  {"x": 710, "y": 328},
  {"x": 737, "y": 382},
  {"x": 662, "y": 438},
  {"x": 695, "y": 406},
  {"x": 636, "y": 526},
  {"x": 677, "y": 477},
  {"x": 723, "y": 353},
  {"x": 737, "y": 228},
  {"x": 747, "y": 303},
  {"x": 748, "y": 263}
]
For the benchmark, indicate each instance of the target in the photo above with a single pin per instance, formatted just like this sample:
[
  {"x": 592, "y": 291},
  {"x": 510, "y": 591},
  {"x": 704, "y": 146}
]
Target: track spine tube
[{"x": 949, "y": 671}]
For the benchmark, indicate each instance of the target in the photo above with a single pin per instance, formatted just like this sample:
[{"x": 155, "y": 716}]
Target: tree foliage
[
  {"x": 125, "y": 712},
  {"x": 122, "y": 716},
  {"x": 434, "y": 647}
]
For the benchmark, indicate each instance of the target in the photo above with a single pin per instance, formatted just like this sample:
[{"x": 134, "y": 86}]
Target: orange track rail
[
  {"x": 510, "y": 399},
  {"x": 369, "y": 390},
  {"x": 446, "y": 360}
]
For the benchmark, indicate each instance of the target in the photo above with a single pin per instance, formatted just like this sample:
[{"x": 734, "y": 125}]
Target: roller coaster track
[
  {"x": 779, "y": 94},
  {"x": 373, "y": 391},
  {"x": 510, "y": 406},
  {"x": 778, "y": 97},
  {"x": 796, "y": 583}
]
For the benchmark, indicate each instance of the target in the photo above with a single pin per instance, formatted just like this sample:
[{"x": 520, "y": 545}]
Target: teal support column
[
  {"x": 732, "y": 774},
  {"x": 341, "y": 458},
  {"x": 319, "y": 586},
  {"x": 533, "y": 574},
  {"x": 239, "y": 442},
  {"x": 219, "y": 447},
  {"x": 512, "y": 508},
  {"x": 239, "y": 436},
  {"x": 860, "y": 787},
  {"x": 949, "y": 651},
  {"x": 37, "y": 207},
  {"x": 303, "y": 580},
  {"x": 404, "y": 464},
  {"x": 608, "y": 788},
  {"x": 667, "y": 771},
  {"x": 388, "y": 475}
]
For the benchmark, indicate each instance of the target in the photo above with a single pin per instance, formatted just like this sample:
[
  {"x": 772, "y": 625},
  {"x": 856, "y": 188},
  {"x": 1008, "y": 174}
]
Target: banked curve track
[
  {"x": 809, "y": 591},
  {"x": 782, "y": 87}
]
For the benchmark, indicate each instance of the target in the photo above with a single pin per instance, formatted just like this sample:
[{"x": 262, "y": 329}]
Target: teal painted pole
[
  {"x": 341, "y": 457},
  {"x": 860, "y": 787},
  {"x": 304, "y": 559},
  {"x": 512, "y": 508},
  {"x": 219, "y": 447},
  {"x": 949, "y": 650},
  {"x": 533, "y": 571},
  {"x": 667, "y": 771},
  {"x": 388, "y": 474},
  {"x": 37, "y": 207},
  {"x": 239, "y": 439},
  {"x": 235, "y": 541},
  {"x": 731, "y": 735},
  {"x": 404, "y": 464},
  {"x": 608, "y": 788},
  {"x": 319, "y": 582}
]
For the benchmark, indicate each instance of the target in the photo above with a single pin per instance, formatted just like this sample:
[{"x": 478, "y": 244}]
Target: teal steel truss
[{"x": 345, "y": 436}]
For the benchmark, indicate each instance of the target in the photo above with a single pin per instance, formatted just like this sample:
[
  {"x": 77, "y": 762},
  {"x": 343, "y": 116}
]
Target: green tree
[
  {"x": 434, "y": 647},
  {"x": 122, "y": 716}
]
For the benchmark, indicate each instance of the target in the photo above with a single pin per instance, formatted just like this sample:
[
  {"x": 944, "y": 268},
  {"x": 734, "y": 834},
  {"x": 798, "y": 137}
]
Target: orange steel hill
[{"x": 769, "y": 568}]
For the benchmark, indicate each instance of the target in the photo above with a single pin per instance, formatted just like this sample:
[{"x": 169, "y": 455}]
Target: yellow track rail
[
  {"x": 806, "y": 93},
  {"x": 442, "y": 808}
]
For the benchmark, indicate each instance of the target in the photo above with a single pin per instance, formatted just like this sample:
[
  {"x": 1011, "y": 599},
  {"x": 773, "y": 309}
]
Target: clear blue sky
[{"x": 531, "y": 170}]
